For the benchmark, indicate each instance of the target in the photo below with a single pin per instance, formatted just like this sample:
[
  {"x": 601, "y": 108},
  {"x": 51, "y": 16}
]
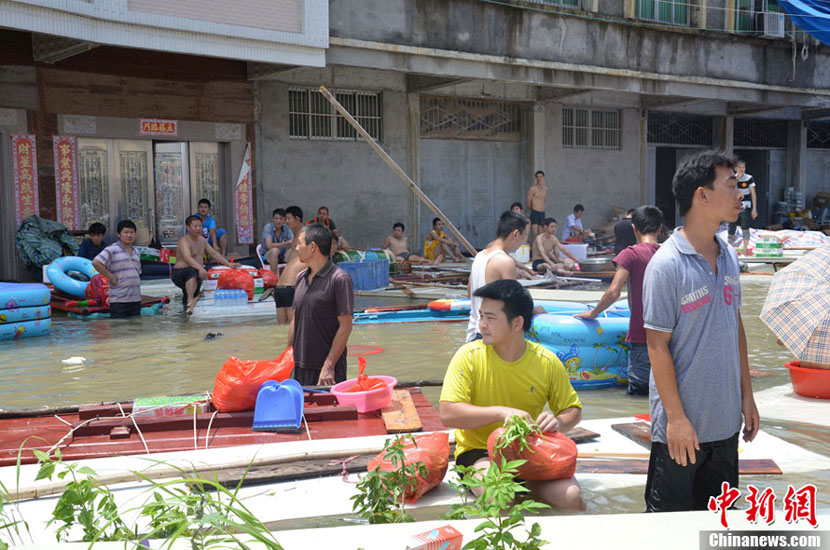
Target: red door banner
[
  {"x": 244, "y": 202},
  {"x": 66, "y": 182},
  {"x": 24, "y": 168}
]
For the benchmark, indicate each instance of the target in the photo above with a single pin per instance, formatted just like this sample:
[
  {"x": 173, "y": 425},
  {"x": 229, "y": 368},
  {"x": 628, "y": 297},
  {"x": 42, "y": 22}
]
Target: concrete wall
[
  {"x": 486, "y": 28},
  {"x": 600, "y": 179},
  {"x": 818, "y": 172},
  {"x": 363, "y": 194}
]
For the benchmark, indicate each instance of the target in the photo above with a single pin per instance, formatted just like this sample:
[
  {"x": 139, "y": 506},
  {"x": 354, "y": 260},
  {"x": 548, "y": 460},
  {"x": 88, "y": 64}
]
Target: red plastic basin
[
  {"x": 810, "y": 382},
  {"x": 365, "y": 401}
]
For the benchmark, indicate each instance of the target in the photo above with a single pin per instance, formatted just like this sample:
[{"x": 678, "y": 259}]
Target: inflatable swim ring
[
  {"x": 25, "y": 329},
  {"x": 594, "y": 352},
  {"x": 56, "y": 271},
  {"x": 18, "y": 295},
  {"x": 34, "y": 313}
]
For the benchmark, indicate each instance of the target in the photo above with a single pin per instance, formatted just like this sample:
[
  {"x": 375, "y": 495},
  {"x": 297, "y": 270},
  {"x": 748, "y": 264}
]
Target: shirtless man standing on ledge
[
  {"x": 189, "y": 271},
  {"x": 536, "y": 203}
]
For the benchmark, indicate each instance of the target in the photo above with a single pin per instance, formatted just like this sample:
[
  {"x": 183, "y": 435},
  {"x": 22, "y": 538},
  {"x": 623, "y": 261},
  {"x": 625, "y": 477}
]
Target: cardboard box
[{"x": 442, "y": 538}]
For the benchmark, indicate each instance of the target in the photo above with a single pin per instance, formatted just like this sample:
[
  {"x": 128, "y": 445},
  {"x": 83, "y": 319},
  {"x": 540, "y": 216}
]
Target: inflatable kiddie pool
[{"x": 57, "y": 273}]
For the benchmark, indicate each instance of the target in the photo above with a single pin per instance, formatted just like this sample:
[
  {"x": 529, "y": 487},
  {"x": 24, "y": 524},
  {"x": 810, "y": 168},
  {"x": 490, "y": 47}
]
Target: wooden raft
[{"x": 640, "y": 432}]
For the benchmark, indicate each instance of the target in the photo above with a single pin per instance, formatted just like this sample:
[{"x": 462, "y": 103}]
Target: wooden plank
[
  {"x": 581, "y": 435},
  {"x": 401, "y": 416},
  {"x": 291, "y": 472},
  {"x": 242, "y": 419},
  {"x": 639, "y": 432}
]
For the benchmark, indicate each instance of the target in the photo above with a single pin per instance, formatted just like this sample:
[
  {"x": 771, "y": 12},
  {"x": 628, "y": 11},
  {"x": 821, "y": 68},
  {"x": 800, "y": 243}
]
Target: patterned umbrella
[{"x": 797, "y": 308}]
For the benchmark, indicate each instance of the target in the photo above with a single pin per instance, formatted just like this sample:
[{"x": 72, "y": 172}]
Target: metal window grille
[
  {"x": 448, "y": 117},
  {"x": 591, "y": 128},
  {"x": 674, "y": 129},
  {"x": 311, "y": 116},
  {"x": 818, "y": 135},
  {"x": 672, "y": 12},
  {"x": 759, "y": 132},
  {"x": 565, "y": 3}
]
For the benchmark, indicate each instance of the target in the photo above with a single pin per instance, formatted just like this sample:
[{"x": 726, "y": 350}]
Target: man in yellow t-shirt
[{"x": 505, "y": 375}]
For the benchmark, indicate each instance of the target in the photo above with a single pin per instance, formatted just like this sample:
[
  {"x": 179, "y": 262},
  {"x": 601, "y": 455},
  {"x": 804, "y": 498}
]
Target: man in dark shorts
[
  {"x": 284, "y": 291},
  {"x": 504, "y": 375},
  {"x": 189, "y": 271},
  {"x": 700, "y": 384},
  {"x": 323, "y": 304},
  {"x": 746, "y": 184},
  {"x": 536, "y": 196}
]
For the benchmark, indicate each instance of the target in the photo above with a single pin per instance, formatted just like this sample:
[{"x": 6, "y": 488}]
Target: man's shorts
[
  {"x": 284, "y": 296},
  {"x": 671, "y": 487},
  {"x": 744, "y": 220},
  {"x": 220, "y": 232},
  {"x": 639, "y": 369},
  {"x": 468, "y": 458},
  {"x": 310, "y": 377},
  {"x": 537, "y": 263},
  {"x": 537, "y": 217},
  {"x": 122, "y": 310},
  {"x": 404, "y": 255},
  {"x": 181, "y": 276}
]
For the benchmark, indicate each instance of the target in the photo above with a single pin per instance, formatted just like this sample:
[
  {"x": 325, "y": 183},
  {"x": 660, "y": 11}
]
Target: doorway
[{"x": 154, "y": 184}]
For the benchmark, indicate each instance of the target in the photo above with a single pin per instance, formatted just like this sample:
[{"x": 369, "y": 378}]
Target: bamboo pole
[{"x": 398, "y": 170}]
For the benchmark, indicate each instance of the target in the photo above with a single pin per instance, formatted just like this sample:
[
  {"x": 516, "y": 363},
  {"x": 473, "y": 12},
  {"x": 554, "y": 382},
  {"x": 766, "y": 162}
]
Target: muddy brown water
[{"x": 168, "y": 354}]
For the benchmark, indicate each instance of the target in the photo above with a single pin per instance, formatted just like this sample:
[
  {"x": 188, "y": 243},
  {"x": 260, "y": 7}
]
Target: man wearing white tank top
[{"x": 493, "y": 263}]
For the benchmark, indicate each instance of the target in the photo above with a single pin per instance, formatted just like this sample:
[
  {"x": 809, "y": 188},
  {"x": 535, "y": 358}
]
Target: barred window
[
  {"x": 818, "y": 135},
  {"x": 673, "y": 12},
  {"x": 311, "y": 116},
  {"x": 565, "y": 3},
  {"x": 591, "y": 128}
]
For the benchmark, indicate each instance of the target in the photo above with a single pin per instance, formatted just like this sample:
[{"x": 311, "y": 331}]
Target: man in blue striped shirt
[{"x": 121, "y": 265}]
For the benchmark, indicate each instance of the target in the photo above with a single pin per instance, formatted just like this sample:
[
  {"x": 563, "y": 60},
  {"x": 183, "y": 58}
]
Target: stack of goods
[
  {"x": 768, "y": 246},
  {"x": 24, "y": 310}
]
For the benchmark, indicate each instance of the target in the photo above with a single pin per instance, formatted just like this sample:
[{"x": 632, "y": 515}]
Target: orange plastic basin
[{"x": 810, "y": 382}]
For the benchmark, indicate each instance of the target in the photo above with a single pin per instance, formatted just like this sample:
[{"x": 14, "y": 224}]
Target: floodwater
[{"x": 168, "y": 355}]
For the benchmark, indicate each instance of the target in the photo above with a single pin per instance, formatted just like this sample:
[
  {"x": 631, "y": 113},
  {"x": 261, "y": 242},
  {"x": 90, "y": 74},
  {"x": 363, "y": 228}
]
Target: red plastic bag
[
  {"x": 433, "y": 449},
  {"x": 98, "y": 289},
  {"x": 269, "y": 278},
  {"x": 238, "y": 382},
  {"x": 364, "y": 382},
  {"x": 237, "y": 278},
  {"x": 551, "y": 455}
]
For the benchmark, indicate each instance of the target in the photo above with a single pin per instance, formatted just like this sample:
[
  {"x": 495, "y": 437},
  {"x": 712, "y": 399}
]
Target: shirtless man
[
  {"x": 536, "y": 203},
  {"x": 438, "y": 246},
  {"x": 284, "y": 291},
  {"x": 548, "y": 252},
  {"x": 189, "y": 271},
  {"x": 399, "y": 246},
  {"x": 494, "y": 263}
]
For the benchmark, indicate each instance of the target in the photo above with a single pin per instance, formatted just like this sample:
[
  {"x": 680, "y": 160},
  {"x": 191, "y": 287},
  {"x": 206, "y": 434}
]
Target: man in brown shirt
[{"x": 323, "y": 304}]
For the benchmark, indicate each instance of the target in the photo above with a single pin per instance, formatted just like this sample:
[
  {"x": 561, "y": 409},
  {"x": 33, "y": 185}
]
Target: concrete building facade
[{"x": 469, "y": 97}]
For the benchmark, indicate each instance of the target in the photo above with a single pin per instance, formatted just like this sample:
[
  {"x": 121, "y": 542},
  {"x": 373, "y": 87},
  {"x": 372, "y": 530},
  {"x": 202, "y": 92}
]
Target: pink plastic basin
[
  {"x": 810, "y": 382},
  {"x": 365, "y": 401}
]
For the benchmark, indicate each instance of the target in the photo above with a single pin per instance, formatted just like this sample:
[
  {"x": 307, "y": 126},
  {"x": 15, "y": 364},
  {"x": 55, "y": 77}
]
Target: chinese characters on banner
[
  {"x": 66, "y": 182},
  {"x": 24, "y": 168},
  {"x": 244, "y": 202},
  {"x": 798, "y": 504},
  {"x": 158, "y": 127}
]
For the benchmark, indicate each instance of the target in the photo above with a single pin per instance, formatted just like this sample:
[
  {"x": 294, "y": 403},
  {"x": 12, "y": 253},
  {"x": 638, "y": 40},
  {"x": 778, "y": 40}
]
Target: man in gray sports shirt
[{"x": 700, "y": 384}]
